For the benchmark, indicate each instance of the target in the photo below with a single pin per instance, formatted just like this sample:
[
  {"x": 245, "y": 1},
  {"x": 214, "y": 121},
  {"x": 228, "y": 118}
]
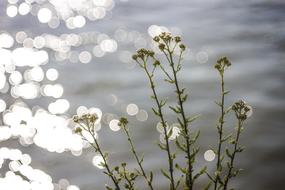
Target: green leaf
[
  {"x": 201, "y": 172},
  {"x": 169, "y": 81},
  {"x": 165, "y": 174},
  {"x": 240, "y": 149},
  {"x": 218, "y": 103},
  {"x": 180, "y": 146},
  {"x": 208, "y": 186},
  {"x": 170, "y": 133},
  {"x": 108, "y": 188},
  {"x": 196, "y": 136},
  {"x": 155, "y": 112},
  {"x": 184, "y": 98},
  {"x": 226, "y": 92},
  {"x": 183, "y": 170},
  {"x": 141, "y": 161},
  {"x": 191, "y": 119},
  {"x": 151, "y": 176},
  {"x": 226, "y": 138},
  {"x": 162, "y": 103},
  {"x": 161, "y": 146}
]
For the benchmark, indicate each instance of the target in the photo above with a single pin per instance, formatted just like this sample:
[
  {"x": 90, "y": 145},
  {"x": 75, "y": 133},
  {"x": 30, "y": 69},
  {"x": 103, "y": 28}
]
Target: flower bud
[
  {"x": 156, "y": 63},
  {"x": 78, "y": 130},
  {"x": 123, "y": 121},
  {"x": 177, "y": 39},
  {"x": 135, "y": 57},
  {"x": 182, "y": 47},
  {"x": 156, "y": 39},
  {"x": 150, "y": 53},
  {"x": 161, "y": 46},
  {"x": 75, "y": 119}
]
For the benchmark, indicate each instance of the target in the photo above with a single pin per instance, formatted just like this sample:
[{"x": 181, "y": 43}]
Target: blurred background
[{"x": 89, "y": 45}]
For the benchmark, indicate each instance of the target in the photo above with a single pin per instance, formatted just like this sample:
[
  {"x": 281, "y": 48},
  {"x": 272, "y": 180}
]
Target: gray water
[{"x": 251, "y": 33}]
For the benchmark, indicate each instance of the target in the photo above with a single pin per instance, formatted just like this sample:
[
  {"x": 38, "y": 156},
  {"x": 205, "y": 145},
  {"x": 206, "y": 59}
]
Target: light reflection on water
[{"x": 251, "y": 33}]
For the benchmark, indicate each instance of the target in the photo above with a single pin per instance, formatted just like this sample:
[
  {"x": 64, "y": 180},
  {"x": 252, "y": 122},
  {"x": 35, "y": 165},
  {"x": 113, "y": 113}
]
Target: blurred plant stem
[
  {"x": 141, "y": 58},
  {"x": 159, "y": 113},
  {"x": 88, "y": 126},
  {"x": 221, "y": 68},
  {"x": 229, "y": 175},
  {"x": 184, "y": 123},
  {"x": 242, "y": 112},
  {"x": 123, "y": 123}
]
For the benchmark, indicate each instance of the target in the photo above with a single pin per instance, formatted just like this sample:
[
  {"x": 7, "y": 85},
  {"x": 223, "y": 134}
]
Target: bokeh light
[
  {"x": 98, "y": 161},
  {"x": 44, "y": 15},
  {"x": 52, "y": 74},
  {"x": 114, "y": 125},
  {"x": 12, "y": 11},
  {"x": 132, "y": 109},
  {"x": 209, "y": 155},
  {"x": 2, "y": 105}
]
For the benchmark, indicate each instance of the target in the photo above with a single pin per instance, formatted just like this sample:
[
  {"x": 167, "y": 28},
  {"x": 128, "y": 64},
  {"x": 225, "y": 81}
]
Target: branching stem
[{"x": 138, "y": 160}]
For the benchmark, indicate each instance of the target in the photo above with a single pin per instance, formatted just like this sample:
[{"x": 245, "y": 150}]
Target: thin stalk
[
  {"x": 136, "y": 157},
  {"x": 170, "y": 161},
  {"x": 98, "y": 148},
  {"x": 229, "y": 174},
  {"x": 220, "y": 130},
  {"x": 131, "y": 186},
  {"x": 189, "y": 181}
]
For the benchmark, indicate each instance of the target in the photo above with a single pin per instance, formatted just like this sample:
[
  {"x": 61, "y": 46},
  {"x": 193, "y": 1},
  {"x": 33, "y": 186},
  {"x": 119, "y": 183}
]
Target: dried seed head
[
  {"x": 182, "y": 47},
  {"x": 222, "y": 64},
  {"x": 93, "y": 118},
  {"x": 161, "y": 47},
  {"x": 177, "y": 39},
  {"x": 150, "y": 53},
  {"x": 156, "y": 63},
  {"x": 78, "y": 130},
  {"x": 135, "y": 57},
  {"x": 242, "y": 110},
  {"x": 156, "y": 39},
  {"x": 123, "y": 121},
  {"x": 75, "y": 118}
]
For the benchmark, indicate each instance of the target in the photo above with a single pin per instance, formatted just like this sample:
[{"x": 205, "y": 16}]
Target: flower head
[
  {"x": 182, "y": 47},
  {"x": 123, "y": 121},
  {"x": 222, "y": 64},
  {"x": 242, "y": 110}
]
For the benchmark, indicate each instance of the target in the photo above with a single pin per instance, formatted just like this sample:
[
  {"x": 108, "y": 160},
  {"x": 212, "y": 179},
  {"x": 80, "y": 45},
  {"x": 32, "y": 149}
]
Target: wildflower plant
[{"x": 177, "y": 141}]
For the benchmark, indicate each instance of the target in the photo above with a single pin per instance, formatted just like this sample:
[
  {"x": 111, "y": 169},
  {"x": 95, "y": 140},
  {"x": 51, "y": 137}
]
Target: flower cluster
[
  {"x": 87, "y": 126},
  {"x": 165, "y": 40},
  {"x": 123, "y": 121},
  {"x": 222, "y": 64},
  {"x": 242, "y": 110},
  {"x": 143, "y": 54},
  {"x": 85, "y": 118},
  {"x": 125, "y": 175}
]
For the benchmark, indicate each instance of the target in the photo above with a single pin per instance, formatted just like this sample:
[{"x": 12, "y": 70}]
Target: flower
[
  {"x": 222, "y": 64},
  {"x": 161, "y": 47},
  {"x": 182, "y": 47},
  {"x": 177, "y": 39},
  {"x": 123, "y": 121},
  {"x": 242, "y": 110}
]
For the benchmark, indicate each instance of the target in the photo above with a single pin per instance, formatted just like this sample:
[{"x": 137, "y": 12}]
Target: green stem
[
  {"x": 98, "y": 148},
  {"x": 136, "y": 157},
  {"x": 170, "y": 160},
  {"x": 229, "y": 174},
  {"x": 220, "y": 130},
  {"x": 131, "y": 187},
  {"x": 189, "y": 181}
]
